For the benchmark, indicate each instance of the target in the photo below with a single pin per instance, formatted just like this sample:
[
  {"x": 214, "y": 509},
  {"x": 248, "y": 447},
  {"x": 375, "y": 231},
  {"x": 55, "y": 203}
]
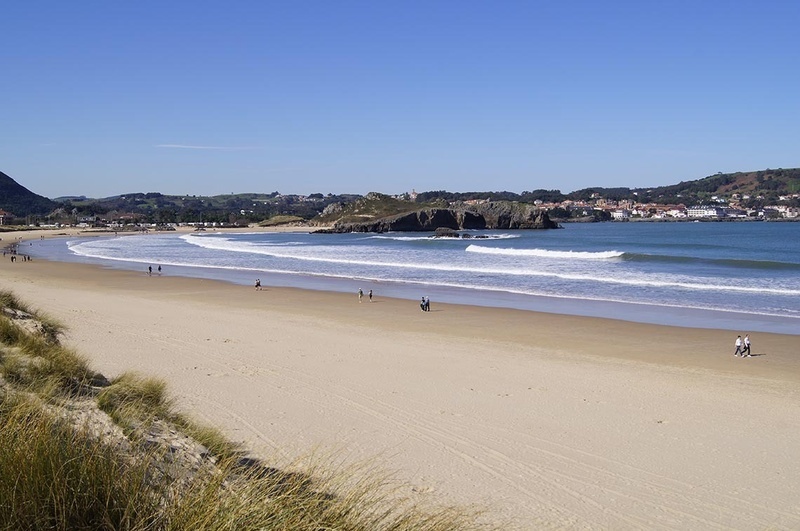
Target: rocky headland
[{"x": 490, "y": 215}]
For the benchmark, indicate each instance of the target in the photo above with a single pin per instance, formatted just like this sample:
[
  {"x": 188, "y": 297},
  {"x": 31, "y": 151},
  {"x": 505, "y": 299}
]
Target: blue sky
[{"x": 101, "y": 98}]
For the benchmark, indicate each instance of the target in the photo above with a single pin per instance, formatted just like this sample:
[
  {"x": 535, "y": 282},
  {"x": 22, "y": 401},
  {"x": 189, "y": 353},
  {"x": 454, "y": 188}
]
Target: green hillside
[
  {"x": 20, "y": 201},
  {"x": 769, "y": 184}
]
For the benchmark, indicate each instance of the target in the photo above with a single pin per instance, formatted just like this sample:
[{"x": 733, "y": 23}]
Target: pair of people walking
[
  {"x": 742, "y": 346},
  {"x": 425, "y": 304},
  {"x": 361, "y": 295}
]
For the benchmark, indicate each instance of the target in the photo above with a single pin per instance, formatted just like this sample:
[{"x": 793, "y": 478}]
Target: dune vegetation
[{"x": 79, "y": 451}]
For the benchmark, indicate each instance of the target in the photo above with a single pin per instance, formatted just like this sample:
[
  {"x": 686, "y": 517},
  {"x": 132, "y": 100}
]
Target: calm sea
[{"x": 738, "y": 276}]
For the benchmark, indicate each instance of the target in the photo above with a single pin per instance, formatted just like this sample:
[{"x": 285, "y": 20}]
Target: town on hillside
[{"x": 719, "y": 208}]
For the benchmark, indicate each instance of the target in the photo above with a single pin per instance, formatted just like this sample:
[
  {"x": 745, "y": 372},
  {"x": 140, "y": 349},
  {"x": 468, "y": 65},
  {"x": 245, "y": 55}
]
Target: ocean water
[{"x": 739, "y": 276}]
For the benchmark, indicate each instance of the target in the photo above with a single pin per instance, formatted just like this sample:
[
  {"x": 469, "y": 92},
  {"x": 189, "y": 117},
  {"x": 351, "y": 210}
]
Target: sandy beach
[{"x": 552, "y": 421}]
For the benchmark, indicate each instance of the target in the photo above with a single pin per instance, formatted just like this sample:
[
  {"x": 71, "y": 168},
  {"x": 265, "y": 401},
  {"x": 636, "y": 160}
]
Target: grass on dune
[
  {"x": 32, "y": 357},
  {"x": 133, "y": 400},
  {"x": 57, "y": 472},
  {"x": 55, "y": 477},
  {"x": 10, "y": 301},
  {"x": 131, "y": 397},
  {"x": 50, "y": 329}
]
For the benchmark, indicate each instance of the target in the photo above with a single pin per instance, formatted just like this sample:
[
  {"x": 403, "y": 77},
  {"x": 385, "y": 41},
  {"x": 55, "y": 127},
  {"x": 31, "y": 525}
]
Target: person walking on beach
[
  {"x": 738, "y": 345},
  {"x": 159, "y": 270},
  {"x": 258, "y": 284},
  {"x": 746, "y": 348},
  {"x": 427, "y": 304},
  {"x": 370, "y": 295},
  {"x": 360, "y": 294},
  {"x": 149, "y": 271},
  {"x": 422, "y": 304}
]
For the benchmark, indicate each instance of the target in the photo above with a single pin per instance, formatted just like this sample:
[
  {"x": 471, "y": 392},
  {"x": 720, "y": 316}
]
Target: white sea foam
[
  {"x": 401, "y": 238},
  {"x": 220, "y": 243},
  {"x": 307, "y": 254},
  {"x": 431, "y": 238},
  {"x": 544, "y": 253}
]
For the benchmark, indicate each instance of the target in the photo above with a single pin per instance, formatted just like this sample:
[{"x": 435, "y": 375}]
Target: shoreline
[
  {"x": 510, "y": 328},
  {"x": 550, "y": 420},
  {"x": 628, "y": 311},
  {"x": 508, "y": 325}
]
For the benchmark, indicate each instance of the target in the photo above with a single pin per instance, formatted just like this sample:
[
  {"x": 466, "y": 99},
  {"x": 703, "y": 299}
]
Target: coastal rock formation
[
  {"x": 509, "y": 215},
  {"x": 491, "y": 215},
  {"x": 445, "y": 232}
]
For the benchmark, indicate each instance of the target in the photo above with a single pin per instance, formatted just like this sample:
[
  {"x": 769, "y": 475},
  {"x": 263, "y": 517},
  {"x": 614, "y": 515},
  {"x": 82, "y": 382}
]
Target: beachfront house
[
  {"x": 87, "y": 221},
  {"x": 705, "y": 211},
  {"x": 621, "y": 215},
  {"x": 676, "y": 212}
]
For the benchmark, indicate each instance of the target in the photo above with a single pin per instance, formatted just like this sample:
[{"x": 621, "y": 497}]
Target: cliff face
[
  {"x": 494, "y": 215},
  {"x": 507, "y": 215}
]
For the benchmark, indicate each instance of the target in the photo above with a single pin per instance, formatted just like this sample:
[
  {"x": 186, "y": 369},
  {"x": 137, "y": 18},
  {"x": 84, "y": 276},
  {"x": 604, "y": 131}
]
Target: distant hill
[
  {"x": 761, "y": 186},
  {"x": 20, "y": 201},
  {"x": 754, "y": 189},
  {"x": 229, "y": 208},
  {"x": 767, "y": 184}
]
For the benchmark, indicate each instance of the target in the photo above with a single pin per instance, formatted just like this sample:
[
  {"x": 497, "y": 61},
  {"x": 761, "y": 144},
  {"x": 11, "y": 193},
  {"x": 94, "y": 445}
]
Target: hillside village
[{"x": 718, "y": 209}]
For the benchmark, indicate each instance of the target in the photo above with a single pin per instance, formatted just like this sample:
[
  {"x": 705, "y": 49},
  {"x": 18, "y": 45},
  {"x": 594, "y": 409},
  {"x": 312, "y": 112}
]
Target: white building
[{"x": 705, "y": 211}]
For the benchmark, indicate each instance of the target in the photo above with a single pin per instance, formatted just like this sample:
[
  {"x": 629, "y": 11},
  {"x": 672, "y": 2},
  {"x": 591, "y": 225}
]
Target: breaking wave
[{"x": 544, "y": 253}]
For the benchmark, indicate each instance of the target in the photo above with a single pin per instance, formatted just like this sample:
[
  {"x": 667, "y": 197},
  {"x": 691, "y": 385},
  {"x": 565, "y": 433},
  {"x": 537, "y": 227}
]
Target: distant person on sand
[
  {"x": 360, "y": 294},
  {"x": 159, "y": 270},
  {"x": 258, "y": 284},
  {"x": 738, "y": 345},
  {"x": 149, "y": 270},
  {"x": 422, "y": 304},
  {"x": 370, "y": 295},
  {"x": 746, "y": 349}
]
